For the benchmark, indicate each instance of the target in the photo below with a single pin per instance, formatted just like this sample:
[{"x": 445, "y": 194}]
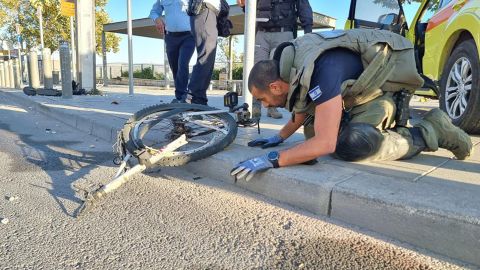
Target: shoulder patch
[{"x": 315, "y": 93}]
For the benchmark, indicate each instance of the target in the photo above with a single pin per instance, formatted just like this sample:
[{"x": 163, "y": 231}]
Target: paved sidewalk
[{"x": 431, "y": 201}]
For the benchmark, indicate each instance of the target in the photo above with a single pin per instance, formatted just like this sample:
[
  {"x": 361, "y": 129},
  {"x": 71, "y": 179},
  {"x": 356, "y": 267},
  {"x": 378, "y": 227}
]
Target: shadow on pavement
[{"x": 56, "y": 158}]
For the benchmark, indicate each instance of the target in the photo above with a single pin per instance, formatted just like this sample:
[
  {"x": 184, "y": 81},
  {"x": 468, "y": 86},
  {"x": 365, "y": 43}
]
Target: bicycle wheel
[{"x": 154, "y": 127}]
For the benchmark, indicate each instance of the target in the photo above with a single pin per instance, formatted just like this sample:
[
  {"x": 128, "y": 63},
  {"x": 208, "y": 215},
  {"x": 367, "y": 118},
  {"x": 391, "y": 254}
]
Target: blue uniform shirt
[
  {"x": 176, "y": 18},
  {"x": 331, "y": 69}
]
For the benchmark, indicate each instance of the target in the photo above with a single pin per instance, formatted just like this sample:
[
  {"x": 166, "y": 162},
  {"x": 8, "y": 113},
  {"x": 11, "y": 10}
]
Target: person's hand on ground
[
  {"x": 267, "y": 142},
  {"x": 160, "y": 25},
  {"x": 249, "y": 168}
]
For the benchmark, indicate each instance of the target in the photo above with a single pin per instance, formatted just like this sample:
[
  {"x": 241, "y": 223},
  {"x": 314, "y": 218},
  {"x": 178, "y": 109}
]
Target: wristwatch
[{"x": 273, "y": 158}]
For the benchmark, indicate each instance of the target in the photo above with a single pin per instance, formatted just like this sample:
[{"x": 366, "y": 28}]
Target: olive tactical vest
[{"x": 387, "y": 58}]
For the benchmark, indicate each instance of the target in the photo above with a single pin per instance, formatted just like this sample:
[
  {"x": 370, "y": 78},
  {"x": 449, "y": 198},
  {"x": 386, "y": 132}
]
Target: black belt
[
  {"x": 276, "y": 29},
  {"x": 178, "y": 34}
]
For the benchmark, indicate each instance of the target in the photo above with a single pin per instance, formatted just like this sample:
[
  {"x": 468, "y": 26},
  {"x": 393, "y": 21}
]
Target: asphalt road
[{"x": 171, "y": 219}]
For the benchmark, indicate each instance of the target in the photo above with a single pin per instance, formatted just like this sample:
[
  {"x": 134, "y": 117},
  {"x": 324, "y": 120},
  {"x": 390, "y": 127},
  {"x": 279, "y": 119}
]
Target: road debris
[{"x": 12, "y": 198}]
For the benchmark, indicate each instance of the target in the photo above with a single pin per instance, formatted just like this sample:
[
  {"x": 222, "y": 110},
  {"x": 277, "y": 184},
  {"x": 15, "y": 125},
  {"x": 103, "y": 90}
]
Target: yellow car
[{"x": 446, "y": 35}]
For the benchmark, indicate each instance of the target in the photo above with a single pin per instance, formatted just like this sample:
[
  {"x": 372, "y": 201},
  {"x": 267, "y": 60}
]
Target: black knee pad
[{"x": 358, "y": 141}]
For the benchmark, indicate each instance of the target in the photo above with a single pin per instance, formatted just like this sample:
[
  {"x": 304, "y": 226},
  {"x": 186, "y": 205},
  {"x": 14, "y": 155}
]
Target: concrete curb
[
  {"x": 446, "y": 222},
  {"x": 84, "y": 124},
  {"x": 396, "y": 212},
  {"x": 340, "y": 195}
]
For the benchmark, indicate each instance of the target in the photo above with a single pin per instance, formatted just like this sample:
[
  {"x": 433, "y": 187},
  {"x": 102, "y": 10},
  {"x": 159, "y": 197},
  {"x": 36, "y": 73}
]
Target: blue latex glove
[
  {"x": 267, "y": 142},
  {"x": 250, "y": 167}
]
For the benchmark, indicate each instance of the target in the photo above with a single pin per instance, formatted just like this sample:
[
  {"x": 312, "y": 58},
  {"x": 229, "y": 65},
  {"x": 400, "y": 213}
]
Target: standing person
[
  {"x": 178, "y": 39},
  {"x": 277, "y": 23},
  {"x": 205, "y": 33}
]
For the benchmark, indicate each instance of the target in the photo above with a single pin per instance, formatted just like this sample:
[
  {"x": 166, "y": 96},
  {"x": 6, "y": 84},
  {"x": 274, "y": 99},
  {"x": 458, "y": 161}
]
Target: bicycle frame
[{"x": 92, "y": 197}]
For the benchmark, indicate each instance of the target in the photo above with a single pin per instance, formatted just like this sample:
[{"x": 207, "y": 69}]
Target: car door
[{"x": 377, "y": 14}]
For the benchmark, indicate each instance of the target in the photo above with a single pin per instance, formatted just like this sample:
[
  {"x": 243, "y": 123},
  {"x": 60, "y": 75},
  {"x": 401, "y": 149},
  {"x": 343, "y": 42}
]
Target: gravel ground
[{"x": 170, "y": 219}]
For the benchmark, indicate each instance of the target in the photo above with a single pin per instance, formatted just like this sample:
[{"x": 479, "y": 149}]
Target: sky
[{"x": 150, "y": 51}]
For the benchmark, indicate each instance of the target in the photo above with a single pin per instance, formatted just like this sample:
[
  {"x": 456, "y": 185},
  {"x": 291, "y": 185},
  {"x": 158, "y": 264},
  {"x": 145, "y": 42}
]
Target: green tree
[
  {"x": 223, "y": 54},
  {"x": 238, "y": 73},
  {"x": 56, "y": 27}
]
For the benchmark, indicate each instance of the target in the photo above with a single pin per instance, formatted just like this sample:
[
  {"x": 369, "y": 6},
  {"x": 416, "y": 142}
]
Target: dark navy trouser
[
  {"x": 205, "y": 33},
  {"x": 180, "y": 47}
]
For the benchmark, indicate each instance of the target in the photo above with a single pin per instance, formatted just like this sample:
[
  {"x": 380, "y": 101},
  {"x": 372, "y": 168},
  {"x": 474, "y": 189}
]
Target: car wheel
[{"x": 460, "y": 87}]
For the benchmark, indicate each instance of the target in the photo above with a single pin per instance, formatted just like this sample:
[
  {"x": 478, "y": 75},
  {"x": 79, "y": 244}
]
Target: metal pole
[
  {"x": 130, "y": 49},
  {"x": 66, "y": 70},
  {"x": 74, "y": 52},
  {"x": 250, "y": 14},
  {"x": 20, "y": 49},
  {"x": 85, "y": 31},
  {"x": 40, "y": 19},
  {"x": 166, "y": 66},
  {"x": 75, "y": 45},
  {"x": 230, "y": 59},
  {"x": 93, "y": 44},
  {"x": 230, "y": 65},
  {"x": 105, "y": 64}
]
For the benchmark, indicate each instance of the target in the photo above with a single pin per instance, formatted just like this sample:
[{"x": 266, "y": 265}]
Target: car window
[
  {"x": 444, "y": 3},
  {"x": 377, "y": 11},
  {"x": 410, "y": 9},
  {"x": 431, "y": 9}
]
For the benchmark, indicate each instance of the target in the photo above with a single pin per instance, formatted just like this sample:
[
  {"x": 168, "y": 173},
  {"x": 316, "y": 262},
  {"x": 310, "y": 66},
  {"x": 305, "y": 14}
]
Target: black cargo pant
[
  {"x": 205, "y": 33},
  {"x": 180, "y": 47}
]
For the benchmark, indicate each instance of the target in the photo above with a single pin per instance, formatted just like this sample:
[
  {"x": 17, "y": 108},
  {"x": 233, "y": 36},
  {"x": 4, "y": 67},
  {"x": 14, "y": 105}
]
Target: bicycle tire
[{"x": 180, "y": 158}]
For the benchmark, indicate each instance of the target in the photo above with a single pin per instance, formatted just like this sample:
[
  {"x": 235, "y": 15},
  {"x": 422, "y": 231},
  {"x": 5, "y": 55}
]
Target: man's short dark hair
[{"x": 263, "y": 74}]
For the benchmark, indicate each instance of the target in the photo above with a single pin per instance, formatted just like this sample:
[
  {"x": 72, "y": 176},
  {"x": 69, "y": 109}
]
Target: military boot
[
  {"x": 438, "y": 131},
  {"x": 274, "y": 113}
]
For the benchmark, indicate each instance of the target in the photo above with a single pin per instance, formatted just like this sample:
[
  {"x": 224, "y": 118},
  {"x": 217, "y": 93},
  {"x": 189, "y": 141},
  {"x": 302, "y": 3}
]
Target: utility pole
[
  {"x": 85, "y": 26},
  {"x": 73, "y": 48},
  {"x": 40, "y": 19},
  {"x": 104, "y": 59},
  {"x": 250, "y": 21},
  {"x": 130, "y": 48},
  {"x": 166, "y": 66},
  {"x": 46, "y": 55},
  {"x": 20, "y": 57},
  {"x": 67, "y": 8}
]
